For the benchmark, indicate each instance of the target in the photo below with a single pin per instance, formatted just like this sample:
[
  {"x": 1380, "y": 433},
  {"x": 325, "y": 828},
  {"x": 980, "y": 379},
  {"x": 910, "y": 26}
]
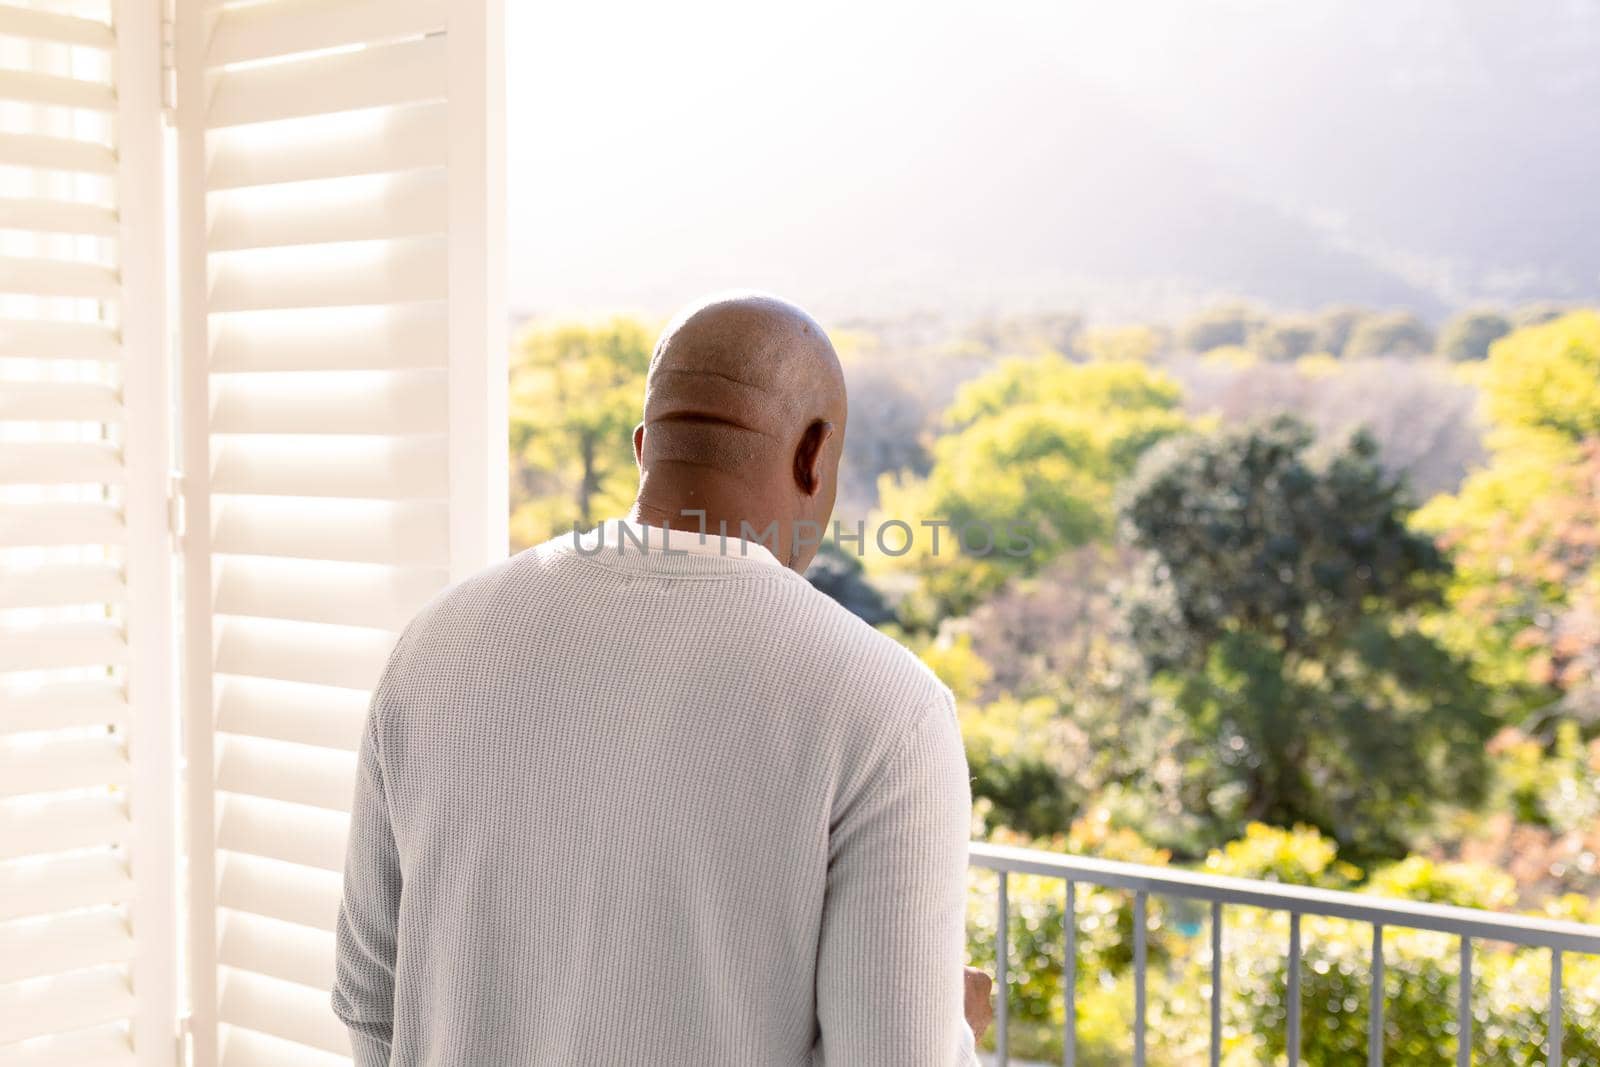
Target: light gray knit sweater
[{"x": 636, "y": 808}]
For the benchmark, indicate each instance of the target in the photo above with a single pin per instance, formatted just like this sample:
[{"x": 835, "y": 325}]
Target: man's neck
[{"x": 714, "y": 514}]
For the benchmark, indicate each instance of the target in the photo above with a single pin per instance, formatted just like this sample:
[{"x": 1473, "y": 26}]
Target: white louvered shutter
[
  {"x": 88, "y": 722},
  {"x": 343, "y": 342}
]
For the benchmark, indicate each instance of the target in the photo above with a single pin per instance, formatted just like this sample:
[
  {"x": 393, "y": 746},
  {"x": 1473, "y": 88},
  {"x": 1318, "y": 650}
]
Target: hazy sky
[{"x": 851, "y": 154}]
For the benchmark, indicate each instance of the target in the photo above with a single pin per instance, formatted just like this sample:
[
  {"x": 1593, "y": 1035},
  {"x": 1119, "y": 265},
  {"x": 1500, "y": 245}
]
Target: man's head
[{"x": 744, "y": 417}]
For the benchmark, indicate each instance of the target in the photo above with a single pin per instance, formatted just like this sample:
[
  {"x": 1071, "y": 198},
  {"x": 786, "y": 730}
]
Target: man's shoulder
[{"x": 869, "y": 660}]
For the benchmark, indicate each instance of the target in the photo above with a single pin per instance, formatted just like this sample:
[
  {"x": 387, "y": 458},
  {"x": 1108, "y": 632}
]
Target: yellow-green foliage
[
  {"x": 951, "y": 656},
  {"x": 1231, "y": 356},
  {"x": 1525, "y": 509},
  {"x": 1137, "y": 343},
  {"x": 1466, "y": 885},
  {"x": 576, "y": 392},
  {"x": 1036, "y": 449},
  {"x": 1301, "y": 856},
  {"x": 1319, "y": 365},
  {"x": 1542, "y": 383}
]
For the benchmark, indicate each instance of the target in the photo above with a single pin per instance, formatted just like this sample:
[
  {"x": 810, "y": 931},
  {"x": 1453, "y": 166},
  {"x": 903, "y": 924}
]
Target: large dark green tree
[{"x": 1277, "y": 613}]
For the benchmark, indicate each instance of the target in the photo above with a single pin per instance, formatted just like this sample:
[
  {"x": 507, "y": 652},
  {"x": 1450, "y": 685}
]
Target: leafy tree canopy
[
  {"x": 1543, "y": 382},
  {"x": 1216, "y": 327},
  {"x": 1399, "y": 333},
  {"x": 1277, "y": 615},
  {"x": 576, "y": 394},
  {"x": 1521, "y": 531},
  {"x": 1469, "y": 335},
  {"x": 1038, "y": 447}
]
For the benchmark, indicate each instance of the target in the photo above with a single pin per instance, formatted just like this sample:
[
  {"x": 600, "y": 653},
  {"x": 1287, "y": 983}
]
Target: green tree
[
  {"x": 576, "y": 393},
  {"x": 1543, "y": 384},
  {"x": 1279, "y": 615},
  {"x": 1218, "y": 327},
  {"x": 1026, "y": 472},
  {"x": 1112, "y": 344},
  {"x": 1284, "y": 340},
  {"x": 1525, "y": 597},
  {"x": 1469, "y": 335},
  {"x": 1334, "y": 327},
  {"x": 1399, "y": 333}
]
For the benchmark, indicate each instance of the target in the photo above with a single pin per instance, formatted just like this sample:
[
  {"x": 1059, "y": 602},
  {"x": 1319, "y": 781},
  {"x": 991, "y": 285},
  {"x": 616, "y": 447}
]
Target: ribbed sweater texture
[{"x": 637, "y": 808}]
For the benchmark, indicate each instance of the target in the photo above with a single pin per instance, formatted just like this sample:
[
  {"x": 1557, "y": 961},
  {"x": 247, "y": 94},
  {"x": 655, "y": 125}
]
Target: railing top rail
[{"x": 1276, "y": 896}]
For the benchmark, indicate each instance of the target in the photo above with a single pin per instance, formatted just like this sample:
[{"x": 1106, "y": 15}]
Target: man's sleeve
[
  {"x": 889, "y": 963},
  {"x": 363, "y": 992}
]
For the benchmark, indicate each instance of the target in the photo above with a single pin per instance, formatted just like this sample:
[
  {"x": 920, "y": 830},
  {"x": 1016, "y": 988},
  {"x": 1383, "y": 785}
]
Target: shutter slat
[
  {"x": 68, "y": 943},
  {"x": 59, "y": 401},
  {"x": 413, "y": 402},
  {"x": 403, "y": 73},
  {"x": 337, "y": 146},
  {"x": 261, "y": 31},
  {"x": 55, "y": 766},
  {"x": 57, "y": 216},
  {"x": 291, "y": 711},
  {"x": 54, "y": 277},
  {"x": 321, "y": 591},
  {"x": 356, "y": 467},
  {"x": 342, "y": 656},
  {"x": 103, "y": 1046},
  {"x": 47, "y": 26},
  {"x": 58, "y": 584},
  {"x": 59, "y": 645},
  {"x": 309, "y": 837},
  {"x": 62, "y": 706},
  {"x": 361, "y": 531},
  {"x": 249, "y": 1048},
  {"x": 47, "y": 90},
  {"x": 295, "y": 894},
  {"x": 47, "y": 887},
  {"x": 61, "y": 824},
  {"x": 84, "y": 998},
  {"x": 35, "y": 525},
  {"x": 365, "y": 273},
  {"x": 60, "y": 464},
  {"x": 344, "y": 209},
  {"x": 290, "y": 1011},
  {"x": 58, "y": 340},
  {"x": 401, "y": 337},
  {"x": 282, "y": 770},
  {"x": 286, "y": 951},
  {"x": 56, "y": 153}
]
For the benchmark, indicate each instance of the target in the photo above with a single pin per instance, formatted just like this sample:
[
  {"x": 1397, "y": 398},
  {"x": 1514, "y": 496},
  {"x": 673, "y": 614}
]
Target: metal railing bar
[
  {"x": 1069, "y": 976},
  {"x": 1002, "y": 962},
  {"x": 1292, "y": 991},
  {"x": 1141, "y": 908},
  {"x": 1553, "y": 1052},
  {"x": 1189, "y": 885},
  {"x": 1464, "y": 1007},
  {"x": 1375, "y": 1001},
  {"x": 1216, "y": 983}
]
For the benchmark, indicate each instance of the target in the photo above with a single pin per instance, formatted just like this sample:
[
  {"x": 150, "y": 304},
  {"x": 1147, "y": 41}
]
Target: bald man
[{"x": 644, "y": 796}]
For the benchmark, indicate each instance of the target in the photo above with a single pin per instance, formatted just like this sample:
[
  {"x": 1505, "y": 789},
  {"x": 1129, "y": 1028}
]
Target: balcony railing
[{"x": 1296, "y": 901}]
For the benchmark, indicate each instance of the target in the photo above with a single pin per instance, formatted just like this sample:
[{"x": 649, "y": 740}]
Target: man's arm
[
  {"x": 889, "y": 965},
  {"x": 363, "y": 991}
]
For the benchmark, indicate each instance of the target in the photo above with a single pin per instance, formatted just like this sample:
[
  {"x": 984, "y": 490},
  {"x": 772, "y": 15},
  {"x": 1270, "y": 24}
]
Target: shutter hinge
[
  {"x": 177, "y": 517},
  {"x": 169, "y": 67},
  {"x": 185, "y": 1039}
]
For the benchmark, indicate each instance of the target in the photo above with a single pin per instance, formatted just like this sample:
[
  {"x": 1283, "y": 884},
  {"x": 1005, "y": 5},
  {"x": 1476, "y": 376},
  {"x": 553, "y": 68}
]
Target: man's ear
[
  {"x": 808, "y": 457},
  {"x": 638, "y": 445}
]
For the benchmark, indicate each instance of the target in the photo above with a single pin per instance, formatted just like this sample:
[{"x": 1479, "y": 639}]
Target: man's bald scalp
[{"x": 735, "y": 381}]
